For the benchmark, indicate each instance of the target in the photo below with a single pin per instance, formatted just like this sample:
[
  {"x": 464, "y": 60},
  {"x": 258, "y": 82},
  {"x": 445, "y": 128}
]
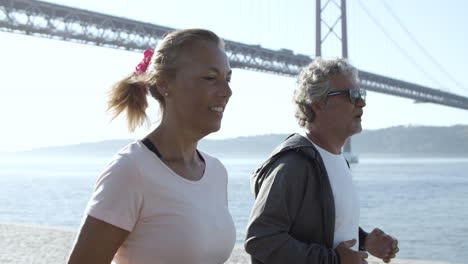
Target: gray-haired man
[{"x": 307, "y": 208}]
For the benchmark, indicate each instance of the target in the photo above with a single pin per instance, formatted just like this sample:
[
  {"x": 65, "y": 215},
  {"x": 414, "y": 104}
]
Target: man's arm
[{"x": 276, "y": 206}]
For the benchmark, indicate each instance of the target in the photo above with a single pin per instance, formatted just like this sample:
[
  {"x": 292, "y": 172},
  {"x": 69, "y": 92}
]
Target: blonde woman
[{"x": 160, "y": 200}]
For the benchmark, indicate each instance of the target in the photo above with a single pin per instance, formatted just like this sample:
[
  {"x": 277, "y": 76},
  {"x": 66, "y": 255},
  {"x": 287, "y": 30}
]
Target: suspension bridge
[{"x": 53, "y": 21}]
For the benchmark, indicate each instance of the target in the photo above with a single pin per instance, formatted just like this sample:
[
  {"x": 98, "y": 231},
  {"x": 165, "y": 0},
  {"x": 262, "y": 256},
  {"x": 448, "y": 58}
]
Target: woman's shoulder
[
  {"x": 131, "y": 150},
  {"x": 129, "y": 154},
  {"x": 209, "y": 159},
  {"x": 214, "y": 165}
]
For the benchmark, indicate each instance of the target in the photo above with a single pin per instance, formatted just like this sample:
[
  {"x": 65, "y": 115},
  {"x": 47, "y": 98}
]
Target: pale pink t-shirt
[{"x": 170, "y": 219}]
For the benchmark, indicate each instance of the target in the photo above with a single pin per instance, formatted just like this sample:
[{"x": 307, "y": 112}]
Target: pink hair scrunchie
[{"x": 143, "y": 65}]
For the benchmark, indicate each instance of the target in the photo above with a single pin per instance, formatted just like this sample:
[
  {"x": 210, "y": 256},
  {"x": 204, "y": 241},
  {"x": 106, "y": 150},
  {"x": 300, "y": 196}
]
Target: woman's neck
[{"x": 174, "y": 146}]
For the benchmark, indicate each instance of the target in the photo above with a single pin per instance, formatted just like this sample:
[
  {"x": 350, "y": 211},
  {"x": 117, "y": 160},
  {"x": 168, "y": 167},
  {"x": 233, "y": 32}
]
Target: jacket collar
[{"x": 297, "y": 141}]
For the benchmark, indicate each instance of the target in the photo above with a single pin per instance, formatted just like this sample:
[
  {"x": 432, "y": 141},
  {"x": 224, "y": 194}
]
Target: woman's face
[{"x": 199, "y": 91}]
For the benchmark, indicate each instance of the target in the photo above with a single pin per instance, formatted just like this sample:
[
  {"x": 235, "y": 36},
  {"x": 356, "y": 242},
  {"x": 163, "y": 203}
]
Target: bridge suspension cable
[
  {"x": 421, "y": 47},
  {"x": 399, "y": 48}
]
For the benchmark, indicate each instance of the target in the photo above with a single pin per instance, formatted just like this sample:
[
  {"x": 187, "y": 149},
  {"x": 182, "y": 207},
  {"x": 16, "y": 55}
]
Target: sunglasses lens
[
  {"x": 362, "y": 94},
  {"x": 355, "y": 94}
]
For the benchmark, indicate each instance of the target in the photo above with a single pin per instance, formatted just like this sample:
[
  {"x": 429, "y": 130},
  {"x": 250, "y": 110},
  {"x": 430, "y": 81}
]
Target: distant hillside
[
  {"x": 401, "y": 140},
  {"x": 420, "y": 140},
  {"x": 103, "y": 148},
  {"x": 234, "y": 147}
]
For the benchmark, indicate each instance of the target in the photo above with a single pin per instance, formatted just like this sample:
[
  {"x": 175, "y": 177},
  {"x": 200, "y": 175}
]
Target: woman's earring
[{"x": 166, "y": 94}]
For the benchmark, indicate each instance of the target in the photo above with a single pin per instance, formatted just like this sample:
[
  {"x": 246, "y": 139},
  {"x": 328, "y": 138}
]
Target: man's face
[{"x": 340, "y": 114}]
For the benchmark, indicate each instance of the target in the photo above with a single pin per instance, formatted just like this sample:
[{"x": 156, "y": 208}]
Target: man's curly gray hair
[{"x": 313, "y": 85}]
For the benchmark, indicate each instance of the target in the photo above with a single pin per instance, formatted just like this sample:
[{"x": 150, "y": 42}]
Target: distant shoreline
[
  {"x": 24, "y": 243},
  {"x": 418, "y": 141}
]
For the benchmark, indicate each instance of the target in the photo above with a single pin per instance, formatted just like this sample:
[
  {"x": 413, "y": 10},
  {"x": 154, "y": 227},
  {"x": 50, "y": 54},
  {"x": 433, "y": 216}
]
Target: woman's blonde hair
[{"x": 129, "y": 94}]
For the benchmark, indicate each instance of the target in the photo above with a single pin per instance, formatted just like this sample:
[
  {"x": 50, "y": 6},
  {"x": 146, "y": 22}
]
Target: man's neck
[{"x": 325, "y": 141}]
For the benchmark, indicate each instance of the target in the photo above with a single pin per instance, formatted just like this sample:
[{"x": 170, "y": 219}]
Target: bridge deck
[{"x": 54, "y": 21}]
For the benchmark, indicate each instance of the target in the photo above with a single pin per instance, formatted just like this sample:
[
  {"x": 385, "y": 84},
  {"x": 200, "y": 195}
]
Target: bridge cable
[
  {"x": 421, "y": 47},
  {"x": 411, "y": 59}
]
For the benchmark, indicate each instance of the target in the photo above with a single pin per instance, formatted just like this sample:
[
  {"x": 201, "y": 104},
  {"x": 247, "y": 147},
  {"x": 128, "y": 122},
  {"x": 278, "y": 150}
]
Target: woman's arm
[{"x": 97, "y": 242}]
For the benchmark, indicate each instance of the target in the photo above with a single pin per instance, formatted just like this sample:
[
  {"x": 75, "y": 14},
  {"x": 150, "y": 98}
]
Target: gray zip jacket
[{"x": 293, "y": 218}]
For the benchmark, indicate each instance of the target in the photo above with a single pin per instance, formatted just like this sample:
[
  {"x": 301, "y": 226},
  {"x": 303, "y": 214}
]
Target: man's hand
[
  {"x": 381, "y": 245},
  {"x": 349, "y": 256}
]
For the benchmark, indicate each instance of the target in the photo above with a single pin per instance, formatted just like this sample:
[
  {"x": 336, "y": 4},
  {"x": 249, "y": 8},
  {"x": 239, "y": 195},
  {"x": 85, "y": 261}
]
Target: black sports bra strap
[
  {"x": 151, "y": 147},
  {"x": 155, "y": 150}
]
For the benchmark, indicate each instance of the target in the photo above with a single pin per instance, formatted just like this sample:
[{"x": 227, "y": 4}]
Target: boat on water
[{"x": 350, "y": 157}]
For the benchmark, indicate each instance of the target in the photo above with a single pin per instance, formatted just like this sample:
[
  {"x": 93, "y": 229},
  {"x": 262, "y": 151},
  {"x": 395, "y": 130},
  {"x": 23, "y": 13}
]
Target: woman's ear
[{"x": 162, "y": 87}]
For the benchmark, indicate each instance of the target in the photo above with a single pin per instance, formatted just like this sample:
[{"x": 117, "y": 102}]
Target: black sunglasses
[{"x": 354, "y": 94}]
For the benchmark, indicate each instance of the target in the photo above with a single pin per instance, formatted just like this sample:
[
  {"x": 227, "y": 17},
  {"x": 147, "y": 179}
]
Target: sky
[{"x": 54, "y": 92}]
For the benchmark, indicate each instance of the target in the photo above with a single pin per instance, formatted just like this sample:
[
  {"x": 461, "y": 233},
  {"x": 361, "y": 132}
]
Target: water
[{"x": 423, "y": 202}]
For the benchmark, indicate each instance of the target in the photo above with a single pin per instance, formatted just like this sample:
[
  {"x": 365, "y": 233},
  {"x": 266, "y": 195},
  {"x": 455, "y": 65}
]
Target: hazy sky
[{"x": 54, "y": 92}]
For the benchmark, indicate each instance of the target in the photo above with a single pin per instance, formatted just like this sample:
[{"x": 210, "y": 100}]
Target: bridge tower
[{"x": 329, "y": 16}]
